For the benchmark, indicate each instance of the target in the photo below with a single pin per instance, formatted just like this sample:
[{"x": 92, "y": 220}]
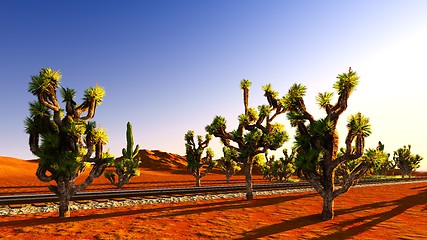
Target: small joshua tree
[
  {"x": 316, "y": 141},
  {"x": 195, "y": 162},
  {"x": 127, "y": 167},
  {"x": 256, "y": 132},
  {"x": 279, "y": 169},
  {"x": 284, "y": 167},
  {"x": 69, "y": 144},
  {"x": 406, "y": 161},
  {"x": 379, "y": 159},
  {"x": 228, "y": 163}
]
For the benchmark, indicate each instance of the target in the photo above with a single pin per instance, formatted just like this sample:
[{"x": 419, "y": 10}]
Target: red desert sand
[{"x": 378, "y": 212}]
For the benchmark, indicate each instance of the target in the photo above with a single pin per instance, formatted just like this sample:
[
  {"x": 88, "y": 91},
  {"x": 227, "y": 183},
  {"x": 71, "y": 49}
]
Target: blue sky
[{"x": 171, "y": 66}]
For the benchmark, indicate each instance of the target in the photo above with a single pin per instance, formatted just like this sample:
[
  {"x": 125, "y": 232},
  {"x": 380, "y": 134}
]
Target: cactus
[{"x": 127, "y": 166}]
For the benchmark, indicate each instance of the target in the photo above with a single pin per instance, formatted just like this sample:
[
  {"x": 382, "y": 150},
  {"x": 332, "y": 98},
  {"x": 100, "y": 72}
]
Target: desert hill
[
  {"x": 150, "y": 160},
  {"x": 14, "y": 169},
  {"x": 19, "y": 176},
  {"x": 162, "y": 161},
  {"x": 158, "y": 169}
]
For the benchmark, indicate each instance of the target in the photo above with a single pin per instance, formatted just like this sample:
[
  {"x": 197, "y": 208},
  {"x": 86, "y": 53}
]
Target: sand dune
[{"x": 158, "y": 169}]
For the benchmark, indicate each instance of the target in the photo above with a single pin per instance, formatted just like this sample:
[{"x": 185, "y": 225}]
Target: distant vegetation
[
  {"x": 229, "y": 163},
  {"x": 406, "y": 161},
  {"x": 194, "y": 151},
  {"x": 278, "y": 169}
]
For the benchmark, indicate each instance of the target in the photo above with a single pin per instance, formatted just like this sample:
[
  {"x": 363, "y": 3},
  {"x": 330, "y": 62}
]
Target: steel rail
[{"x": 45, "y": 198}]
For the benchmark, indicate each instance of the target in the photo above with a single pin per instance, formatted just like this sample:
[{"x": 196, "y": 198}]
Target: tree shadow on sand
[
  {"x": 186, "y": 209},
  {"x": 282, "y": 227},
  {"x": 401, "y": 205},
  {"x": 241, "y": 204}
]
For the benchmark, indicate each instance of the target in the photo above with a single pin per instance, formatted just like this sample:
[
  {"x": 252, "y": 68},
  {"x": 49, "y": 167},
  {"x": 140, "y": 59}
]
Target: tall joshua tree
[
  {"x": 256, "y": 132},
  {"x": 127, "y": 166},
  {"x": 228, "y": 162},
  {"x": 317, "y": 140},
  {"x": 406, "y": 161},
  {"x": 195, "y": 161},
  {"x": 69, "y": 144}
]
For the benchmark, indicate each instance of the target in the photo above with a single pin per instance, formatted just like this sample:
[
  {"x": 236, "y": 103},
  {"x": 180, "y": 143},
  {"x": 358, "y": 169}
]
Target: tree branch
[
  {"x": 96, "y": 171},
  {"x": 42, "y": 176},
  {"x": 353, "y": 178}
]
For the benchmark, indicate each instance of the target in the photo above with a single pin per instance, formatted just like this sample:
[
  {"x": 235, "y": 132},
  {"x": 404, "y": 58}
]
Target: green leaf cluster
[
  {"x": 324, "y": 99},
  {"x": 358, "y": 125},
  {"x": 245, "y": 84},
  {"x": 346, "y": 82},
  {"x": 249, "y": 118},
  {"x": 295, "y": 93},
  {"x": 94, "y": 93},
  {"x": 45, "y": 82}
]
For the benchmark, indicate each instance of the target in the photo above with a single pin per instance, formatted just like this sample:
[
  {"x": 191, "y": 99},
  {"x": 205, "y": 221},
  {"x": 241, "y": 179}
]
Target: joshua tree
[
  {"x": 406, "y": 161},
  {"x": 70, "y": 143},
  {"x": 379, "y": 159},
  {"x": 279, "y": 169},
  {"x": 266, "y": 167},
  {"x": 228, "y": 162},
  {"x": 316, "y": 141},
  {"x": 256, "y": 132},
  {"x": 195, "y": 162},
  {"x": 127, "y": 166}
]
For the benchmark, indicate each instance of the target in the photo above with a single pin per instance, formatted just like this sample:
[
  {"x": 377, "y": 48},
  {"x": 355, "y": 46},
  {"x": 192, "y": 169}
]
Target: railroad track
[{"x": 164, "y": 192}]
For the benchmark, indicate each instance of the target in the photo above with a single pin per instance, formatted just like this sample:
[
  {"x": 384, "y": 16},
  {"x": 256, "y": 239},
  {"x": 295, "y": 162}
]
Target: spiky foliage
[
  {"x": 65, "y": 145},
  {"x": 380, "y": 160},
  {"x": 127, "y": 166},
  {"x": 197, "y": 165},
  {"x": 256, "y": 133},
  {"x": 229, "y": 163},
  {"x": 279, "y": 169},
  {"x": 316, "y": 141},
  {"x": 406, "y": 161}
]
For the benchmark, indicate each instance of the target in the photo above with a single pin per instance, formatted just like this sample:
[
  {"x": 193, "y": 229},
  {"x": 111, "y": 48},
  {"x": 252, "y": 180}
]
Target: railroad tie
[{"x": 39, "y": 204}]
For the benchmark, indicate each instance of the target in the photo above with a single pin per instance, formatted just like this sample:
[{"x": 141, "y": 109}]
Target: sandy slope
[{"x": 158, "y": 169}]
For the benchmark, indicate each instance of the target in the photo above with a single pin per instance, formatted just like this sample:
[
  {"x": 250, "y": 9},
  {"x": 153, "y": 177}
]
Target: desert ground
[{"x": 377, "y": 212}]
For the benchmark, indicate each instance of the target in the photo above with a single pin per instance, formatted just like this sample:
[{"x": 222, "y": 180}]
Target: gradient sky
[{"x": 171, "y": 66}]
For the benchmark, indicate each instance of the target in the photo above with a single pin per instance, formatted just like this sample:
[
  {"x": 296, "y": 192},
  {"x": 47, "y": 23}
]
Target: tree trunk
[
  {"x": 64, "y": 196},
  {"x": 227, "y": 176},
  {"x": 249, "y": 187},
  {"x": 198, "y": 176},
  {"x": 328, "y": 207},
  {"x": 198, "y": 181},
  {"x": 328, "y": 196}
]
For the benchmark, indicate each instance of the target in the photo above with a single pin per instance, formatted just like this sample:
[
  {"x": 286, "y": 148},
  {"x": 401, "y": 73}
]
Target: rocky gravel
[{"x": 52, "y": 207}]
